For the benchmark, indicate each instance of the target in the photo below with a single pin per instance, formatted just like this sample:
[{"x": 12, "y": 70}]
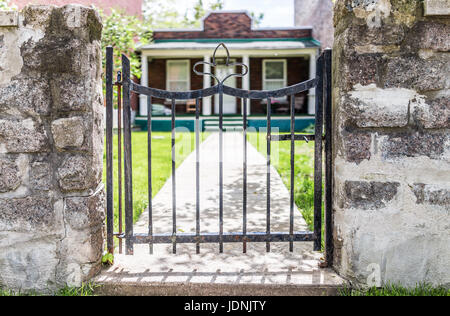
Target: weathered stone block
[
  {"x": 9, "y": 18},
  {"x": 9, "y": 175},
  {"x": 429, "y": 35},
  {"x": 68, "y": 132},
  {"x": 81, "y": 256},
  {"x": 41, "y": 176},
  {"x": 357, "y": 146},
  {"x": 364, "y": 69},
  {"x": 369, "y": 195},
  {"x": 370, "y": 106},
  {"x": 31, "y": 266},
  {"x": 414, "y": 144},
  {"x": 85, "y": 212},
  {"x": 412, "y": 72},
  {"x": 15, "y": 98},
  {"x": 71, "y": 94},
  {"x": 30, "y": 214},
  {"x": 78, "y": 173},
  {"x": 437, "y": 7},
  {"x": 363, "y": 35},
  {"x": 24, "y": 136},
  {"x": 433, "y": 114},
  {"x": 432, "y": 194}
]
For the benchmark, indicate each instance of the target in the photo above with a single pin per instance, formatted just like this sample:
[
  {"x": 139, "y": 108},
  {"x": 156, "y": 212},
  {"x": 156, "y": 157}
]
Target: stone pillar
[
  {"x": 206, "y": 84},
  {"x": 144, "y": 82},
  {"x": 391, "y": 97},
  {"x": 51, "y": 148}
]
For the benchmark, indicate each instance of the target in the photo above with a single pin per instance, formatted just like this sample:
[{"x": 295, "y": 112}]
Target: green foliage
[
  {"x": 86, "y": 289},
  {"x": 397, "y": 290},
  {"x": 257, "y": 18},
  {"x": 6, "y": 5},
  {"x": 108, "y": 259},
  {"x": 124, "y": 32}
]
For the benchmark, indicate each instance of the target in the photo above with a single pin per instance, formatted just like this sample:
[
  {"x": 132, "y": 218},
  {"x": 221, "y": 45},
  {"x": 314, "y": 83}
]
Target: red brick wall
[{"x": 232, "y": 25}]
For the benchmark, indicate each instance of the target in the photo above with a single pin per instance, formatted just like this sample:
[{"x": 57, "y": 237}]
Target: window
[
  {"x": 178, "y": 75},
  {"x": 274, "y": 74}
]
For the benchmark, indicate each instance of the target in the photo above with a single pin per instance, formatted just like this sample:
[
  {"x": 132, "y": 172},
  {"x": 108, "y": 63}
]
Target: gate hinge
[{"x": 119, "y": 79}]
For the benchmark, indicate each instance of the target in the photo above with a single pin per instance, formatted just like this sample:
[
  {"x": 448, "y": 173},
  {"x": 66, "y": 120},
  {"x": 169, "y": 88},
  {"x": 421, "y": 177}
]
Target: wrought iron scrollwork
[{"x": 215, "y": 64}]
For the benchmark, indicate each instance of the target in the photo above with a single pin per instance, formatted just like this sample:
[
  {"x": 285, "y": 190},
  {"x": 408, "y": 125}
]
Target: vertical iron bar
[
  {"x": 291, "y": 216},
  {"x": 174, "y": 201},
  {"x": 318, "y": 158},
  {"x": 127, "y": 156},
  {"x": 244, "y": 224},
  {"x": 269, "y": 140},
  {"x": 197, "y": 171},
  {"x": 328, "y": 161},
  {"x": 119, "y": 160},
  {"x": 109, "y": 150},
  {"x": 221, "y": 168},
  {"x": 150, "y": 186}
]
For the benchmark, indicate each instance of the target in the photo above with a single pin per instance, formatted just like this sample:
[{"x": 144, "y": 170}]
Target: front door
[{"x": 229, "y": 102}]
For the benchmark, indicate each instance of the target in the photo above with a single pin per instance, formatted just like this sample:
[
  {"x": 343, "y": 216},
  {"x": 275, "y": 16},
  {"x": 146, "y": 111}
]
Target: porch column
[
  {"x": 246, "y": 83},
  {"x": 206, "y": 85},
  {"x": 312, "y": 92},
  {"x": 144, "y": 82}
]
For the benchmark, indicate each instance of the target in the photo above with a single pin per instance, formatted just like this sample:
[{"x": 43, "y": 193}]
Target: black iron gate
[{"x": 322, "y": 140}]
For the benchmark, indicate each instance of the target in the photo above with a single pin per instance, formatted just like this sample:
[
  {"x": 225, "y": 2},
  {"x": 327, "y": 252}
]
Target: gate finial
[{"x": 227, "y": 63}]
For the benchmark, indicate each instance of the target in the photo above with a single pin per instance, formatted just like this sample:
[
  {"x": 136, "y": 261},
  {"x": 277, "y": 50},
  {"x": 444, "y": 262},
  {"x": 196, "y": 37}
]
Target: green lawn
[
  {"x": 161, "y": 166},
  {"x": 395, "y": 290},
  {"x": 87, "y": 289},
  {"x": 303, "y": 171}
]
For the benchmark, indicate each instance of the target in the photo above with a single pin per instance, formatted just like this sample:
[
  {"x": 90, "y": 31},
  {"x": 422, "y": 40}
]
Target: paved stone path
[{"x": 210, "y": 272}]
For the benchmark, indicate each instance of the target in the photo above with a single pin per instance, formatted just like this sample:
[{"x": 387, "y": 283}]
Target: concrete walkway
[{"x": 186, "y": 273}]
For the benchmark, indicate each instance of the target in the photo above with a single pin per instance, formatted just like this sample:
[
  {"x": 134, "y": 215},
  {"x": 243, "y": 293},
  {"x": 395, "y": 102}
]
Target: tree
[
  {"x": 257, "y": 18},
  {"x": 124, "y": 32},
  {"x": 6, "y": 5}
]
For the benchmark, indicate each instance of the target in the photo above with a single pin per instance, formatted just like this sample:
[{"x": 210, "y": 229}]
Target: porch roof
[{"x": 232, "y": 44}]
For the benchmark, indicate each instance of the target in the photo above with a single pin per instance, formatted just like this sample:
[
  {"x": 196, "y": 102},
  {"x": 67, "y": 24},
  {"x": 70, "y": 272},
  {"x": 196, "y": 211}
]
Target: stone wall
[
  {"x": 51, "y": 142},
  {"x": 392, "y": 142}
]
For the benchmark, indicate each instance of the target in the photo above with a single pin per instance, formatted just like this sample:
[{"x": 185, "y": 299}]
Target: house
[
  {"x": 131, "y": 7},
  {"x": 276, "y": 57}
]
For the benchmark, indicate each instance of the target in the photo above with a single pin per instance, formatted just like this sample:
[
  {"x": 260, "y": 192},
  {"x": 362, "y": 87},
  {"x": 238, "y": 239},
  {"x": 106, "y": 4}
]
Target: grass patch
[
  {"x": 87, "y": 289},
  {"x": 161, "y": 166},
  {"x": 303, "y": 171},
  {"x": 396, "y": 290}
]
